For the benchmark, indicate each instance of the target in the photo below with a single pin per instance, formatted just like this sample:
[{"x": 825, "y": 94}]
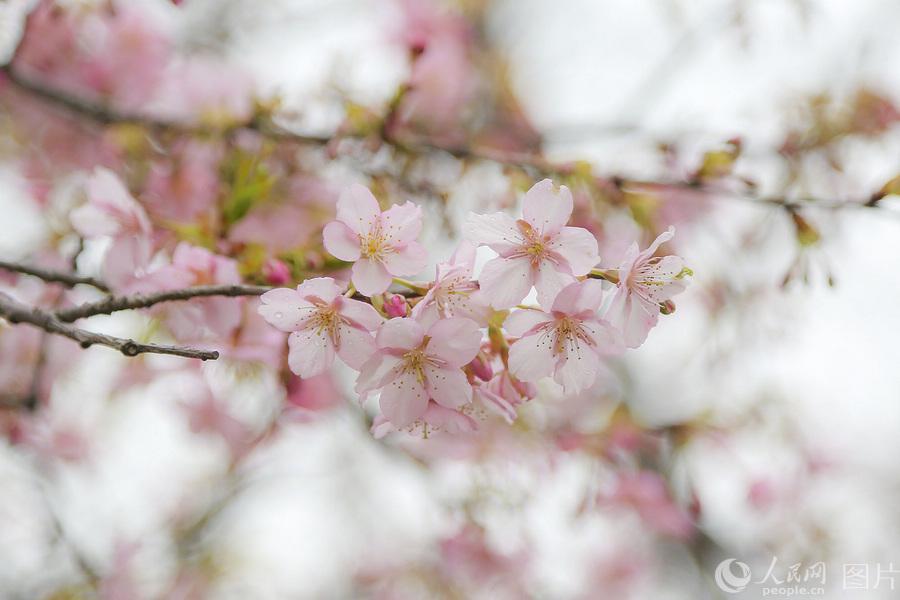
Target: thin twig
[
  {"x": 16, "y": 312},
  {"x": 53, "y": 276},
  {"x": 113, "y": 304}
]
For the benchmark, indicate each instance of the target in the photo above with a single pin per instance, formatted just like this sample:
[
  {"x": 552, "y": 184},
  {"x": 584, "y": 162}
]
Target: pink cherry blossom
[
  {"x": 454, "y": 293},
  {"x": 322, "y": 322},
  {"x": 644, "y": 282},
  {"x": 537, "y": 250},
  {"x": 199, "y": 318},
  {"x": 567, "y": 342},
  {"x": 414, "y": 365},
  {"x": 380, "y": 244},
  {"x": 111, "y": 211}
]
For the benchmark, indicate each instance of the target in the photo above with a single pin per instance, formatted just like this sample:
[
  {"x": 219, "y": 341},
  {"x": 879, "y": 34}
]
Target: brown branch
[
  {"x": 16, "y": 312},
  {"x": 113, "y": 304},
  {"x": 53, "y": 276}
]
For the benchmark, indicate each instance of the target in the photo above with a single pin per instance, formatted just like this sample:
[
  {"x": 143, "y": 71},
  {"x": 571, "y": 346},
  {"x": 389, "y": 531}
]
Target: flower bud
[
  {"x": 395, "y": 306},
  {"x": 481, "y": 367},
  {"x": 276, "y": 272}
]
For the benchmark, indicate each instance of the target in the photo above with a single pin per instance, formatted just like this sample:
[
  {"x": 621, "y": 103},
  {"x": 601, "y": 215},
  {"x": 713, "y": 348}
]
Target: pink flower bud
[
  {"x": 276, "y": 272},
  {"x": 395, "y": 306},
  {"x": 481, "y": 367}
]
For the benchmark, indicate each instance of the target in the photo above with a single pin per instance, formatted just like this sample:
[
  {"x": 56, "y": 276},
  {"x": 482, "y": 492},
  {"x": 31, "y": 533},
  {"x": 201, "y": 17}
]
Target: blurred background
[{"x": 759, "y": 422}]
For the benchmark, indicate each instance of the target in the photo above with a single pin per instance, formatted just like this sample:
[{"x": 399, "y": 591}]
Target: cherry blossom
[
  {"x": 380, "y": 244},
  {"x": 111, "y": 211},
  {"x": 454, "y": 293},
  {"x": 321, "y": 322},
  {"x": 644, "y": 282},
  {"x": 414, "y": 364},
  {"x": 538, "y": 250},
  {"x": 567, "y": 342}
]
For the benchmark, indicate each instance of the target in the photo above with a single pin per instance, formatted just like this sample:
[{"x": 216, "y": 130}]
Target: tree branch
[
  {"x": 16, "y": 312},
  {"x": 116, "y": 303},
  {"x": 53, "y": 276}
]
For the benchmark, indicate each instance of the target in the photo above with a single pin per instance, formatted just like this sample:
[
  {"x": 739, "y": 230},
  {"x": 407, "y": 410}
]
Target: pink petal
[
  {"x": 402, "y": 223},
  {"x": 519, "y": 322},
  {"x": 360, "y": 313},
  {"x": 546, "y": 211},
  {"x": 355, "y": 346},
  {"x": 448, "y": 387},
  {"x": 661, "y": 239},
  {"x": 578, "y": 370},
  {"x": 358, "y": 209},
  {"x": 92, "y": 221},
  {"x": 531, "y": 357},
  {"x": 448, "y": 421},
  {"x": 464, "y": 256},
  {"x": 579, "y": 247},
  {"x": 400, "y": 334},
  {"x": 370, "y": 277},
  {"x": 321, "y": 288},
  {"x": 580, "y": 297},
  {"x": 375, "y": 372},
  {"x": 284, "y": 309},
  {"x": 407, "y": 260},
  {"x": 633, "y": 321},
  {"x": 341, "y": 241},
  {"x": 506, "y": 281},
  {"x": 550, "y": 280},
  {"x": 403, "y": 400},
  {"x": 498, "y": 231},
  {"x": 310, "y": 353},
  {"x": 455, "y": 341},
  {"x": 124, "y": 259}
]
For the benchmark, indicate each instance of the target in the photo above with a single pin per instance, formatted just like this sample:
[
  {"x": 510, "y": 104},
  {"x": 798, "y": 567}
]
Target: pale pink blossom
[
  {"x": 568, "y": 342},
  {"x": 414, "y": 365},
  {"x": 380, "y": 244},
  {"x": 454, "y": 293},
  {"x": 198, "y": 318},
  {"x": 646, "y": 493},
  {"x": 538, "y": 250},
  {"x": 322, "y": 323},
  {"x": 503, "y": 393},
  {"x": 644, "y": 282},
  {"x": 111, "y": 211}
]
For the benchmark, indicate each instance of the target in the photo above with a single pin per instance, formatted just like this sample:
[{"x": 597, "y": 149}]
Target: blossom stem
[
  {"x": 415, "y": 287},
  {"x": 610, "y": 275}
]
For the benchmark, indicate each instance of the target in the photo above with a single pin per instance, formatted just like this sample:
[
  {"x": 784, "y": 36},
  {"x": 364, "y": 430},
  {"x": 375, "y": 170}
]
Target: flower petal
[
  {"x": 628, "y": 315},
  {"x": 375, "y": 372},
  {"x": 370, "y": 277},
  {"x": 400, "y": 334},
  {"x": 355, "y": 346},
  {"x": 578, "y": 246},
  {"x": 310, "y": 352},
  {"x": 408, "y": 260},
  {"x": 319, "y": 288},
  {"x": 403, "y": 400},
  {"x": 550, "y": 280},
  {"x": 498, "y": 231},
  {"x": 455, "y": 341},
  {"x": 360, "y": 313},
  {"x": 546, "y": 211},
  {"x": 447, "y": 387},
  {"x": 531, "y": 357},
  {"x": 519, "y": 322},
  {"x": 578, "y": 370},
  {"x": 506, "y": 281},
  {"x": 580, "y": 297},
  {"x": 402, "y": 223},
  {"x": 341, "y": 241},
  {"x": 358, "y": 209}
]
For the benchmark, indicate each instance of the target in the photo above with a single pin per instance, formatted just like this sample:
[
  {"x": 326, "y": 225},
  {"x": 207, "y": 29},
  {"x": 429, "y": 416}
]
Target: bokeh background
[{"x": 772, "y": 390}]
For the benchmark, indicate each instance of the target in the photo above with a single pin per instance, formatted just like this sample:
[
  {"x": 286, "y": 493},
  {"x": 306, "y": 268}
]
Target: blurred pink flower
[
  {"x": 537, "y": 250},
  {"x": 646, "y": 493},
  {"x": 321, "y": 322},
  {"x": 567, "y": 342},
  {"x": 276, "y": 272},
  {"x": 644, "y": 282},
  {"x": 380, "y": 244},
  {"x": 185, "y": 185},
  {"x": 413, "y": 365}
]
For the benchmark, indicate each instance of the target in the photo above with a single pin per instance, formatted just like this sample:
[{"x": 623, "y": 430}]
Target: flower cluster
[{"x": 444, "y": 354}]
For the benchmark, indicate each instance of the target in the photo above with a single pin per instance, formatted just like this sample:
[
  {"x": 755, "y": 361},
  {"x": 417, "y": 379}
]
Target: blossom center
[
  {"x": 570, "y": 336},
  {"x": 374, "y": 243},
  {"x": 535, "y": 245}
]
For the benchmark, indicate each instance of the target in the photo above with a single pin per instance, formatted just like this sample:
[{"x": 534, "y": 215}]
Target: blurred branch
[
  {"x": 53, "y": 276},
  {"x": 116, "y": 303},
  {"x": 16, "y": 312}
]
